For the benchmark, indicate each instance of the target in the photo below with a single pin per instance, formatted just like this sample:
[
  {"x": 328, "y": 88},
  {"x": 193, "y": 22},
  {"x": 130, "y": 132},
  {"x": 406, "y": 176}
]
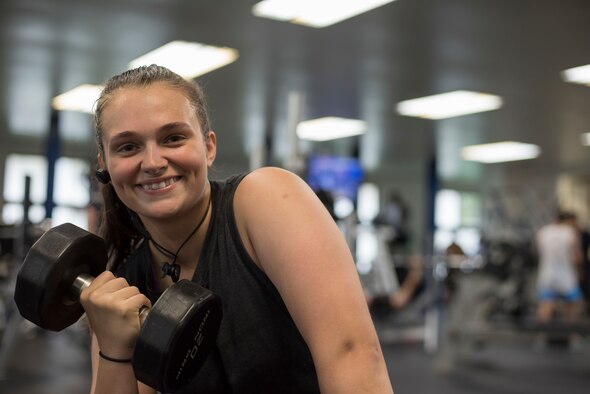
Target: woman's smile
[{"x": 159, "y": 184}]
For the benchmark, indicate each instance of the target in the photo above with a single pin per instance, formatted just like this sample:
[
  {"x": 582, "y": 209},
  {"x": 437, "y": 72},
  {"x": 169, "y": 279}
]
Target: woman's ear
[
  {"x": 100, "y": 160},
  {"x": 101, "y": 174},
  {"x": 211, "y": 146}
]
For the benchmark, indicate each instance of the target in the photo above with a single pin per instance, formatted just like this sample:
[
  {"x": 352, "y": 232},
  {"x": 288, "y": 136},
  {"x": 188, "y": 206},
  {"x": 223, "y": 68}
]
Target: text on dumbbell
[{"x": 192, "y": 352}]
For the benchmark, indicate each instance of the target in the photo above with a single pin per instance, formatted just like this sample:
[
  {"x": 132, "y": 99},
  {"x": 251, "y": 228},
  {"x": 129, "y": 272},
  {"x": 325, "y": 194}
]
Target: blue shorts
[{"x": 573, "y": 295}]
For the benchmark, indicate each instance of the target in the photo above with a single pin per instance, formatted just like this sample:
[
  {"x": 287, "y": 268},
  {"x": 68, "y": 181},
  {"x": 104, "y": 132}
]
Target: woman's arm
[
  {"x": 293, "y": 239},
  {"x": 114, "y": 377},
  {"x": 112, "y": 308}
]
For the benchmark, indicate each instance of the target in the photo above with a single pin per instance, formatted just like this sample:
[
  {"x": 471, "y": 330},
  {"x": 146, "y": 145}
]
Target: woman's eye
[
  {"x": 174, "y": 138},
  {"x": 126, "y": 148}
]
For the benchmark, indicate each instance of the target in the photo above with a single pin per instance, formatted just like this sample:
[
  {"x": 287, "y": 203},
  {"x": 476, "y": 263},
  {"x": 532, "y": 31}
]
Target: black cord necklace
[{"x": 173, "y": 268}]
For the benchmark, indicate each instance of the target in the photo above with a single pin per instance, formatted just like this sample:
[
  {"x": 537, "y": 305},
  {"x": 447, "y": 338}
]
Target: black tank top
[{"x": 259, "y": 349}]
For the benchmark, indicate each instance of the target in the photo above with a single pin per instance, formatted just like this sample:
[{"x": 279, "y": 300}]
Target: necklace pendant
[{"x": 173, "y": 270}]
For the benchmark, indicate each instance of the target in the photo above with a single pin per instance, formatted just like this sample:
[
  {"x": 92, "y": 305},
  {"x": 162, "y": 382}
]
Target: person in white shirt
[{"x": 558, "y": 246}]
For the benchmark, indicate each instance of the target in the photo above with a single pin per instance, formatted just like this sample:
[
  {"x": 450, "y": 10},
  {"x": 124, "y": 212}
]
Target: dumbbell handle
[{"x": 82, "y": 281}]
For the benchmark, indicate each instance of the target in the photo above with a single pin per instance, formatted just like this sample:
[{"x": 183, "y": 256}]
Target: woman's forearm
[{"x": 114, "y": 378}]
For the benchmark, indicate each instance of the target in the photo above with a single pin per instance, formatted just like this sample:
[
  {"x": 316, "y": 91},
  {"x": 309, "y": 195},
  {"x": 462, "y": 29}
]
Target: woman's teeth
[{"x": 159, "y": 185}]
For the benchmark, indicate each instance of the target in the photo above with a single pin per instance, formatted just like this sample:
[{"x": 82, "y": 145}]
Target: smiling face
[{"x": 156, "y": 152}]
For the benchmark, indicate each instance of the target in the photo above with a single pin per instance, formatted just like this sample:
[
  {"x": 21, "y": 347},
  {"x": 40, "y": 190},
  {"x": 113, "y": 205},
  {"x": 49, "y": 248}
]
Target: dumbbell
[{"x": 176, "y": 335}]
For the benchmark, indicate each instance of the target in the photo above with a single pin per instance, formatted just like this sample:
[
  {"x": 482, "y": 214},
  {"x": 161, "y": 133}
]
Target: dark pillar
[{"x": 52, "y": 152}]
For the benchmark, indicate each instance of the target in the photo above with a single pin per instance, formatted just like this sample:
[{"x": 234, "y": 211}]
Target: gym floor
[{"x": 46, "y": 362}]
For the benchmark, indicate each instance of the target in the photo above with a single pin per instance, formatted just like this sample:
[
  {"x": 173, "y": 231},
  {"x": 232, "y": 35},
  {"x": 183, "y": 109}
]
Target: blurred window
[
  {"x": 71, "y": 189},
  {"x": 457, "y": 218}
]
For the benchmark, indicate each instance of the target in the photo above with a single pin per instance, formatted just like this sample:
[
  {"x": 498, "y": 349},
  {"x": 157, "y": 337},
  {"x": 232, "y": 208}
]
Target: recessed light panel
[
  {"x": 447, "y": 105},
  {"x": 579, "y": 75},
  {"x": 314, "y": 13},
  {"x": 80, "y": 99},
  {"x": 330, "y": 128},
  {"x": 498, "y": 152},
  {"x": 188, "y": 59},
  {"x": 585, "y": 138}
]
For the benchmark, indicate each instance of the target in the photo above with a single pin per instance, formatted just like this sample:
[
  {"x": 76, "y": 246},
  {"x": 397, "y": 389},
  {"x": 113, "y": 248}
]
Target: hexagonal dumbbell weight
[{"x": 176, "y": 336}]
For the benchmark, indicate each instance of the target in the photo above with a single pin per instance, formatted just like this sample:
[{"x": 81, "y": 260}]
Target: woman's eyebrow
[
  {"x": 123, "y": 135},
  {"x": 174, "y": 126}
]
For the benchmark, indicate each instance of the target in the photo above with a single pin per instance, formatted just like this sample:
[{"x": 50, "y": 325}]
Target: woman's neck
[
  {"x": 180, "y": 240},
  {"x": 166, "y": 248}
]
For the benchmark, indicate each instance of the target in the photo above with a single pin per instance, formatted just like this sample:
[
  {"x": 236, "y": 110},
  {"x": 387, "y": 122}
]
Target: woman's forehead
[
  {"x": 141, "y": 107},
  {"x": 149, "y": 97}
]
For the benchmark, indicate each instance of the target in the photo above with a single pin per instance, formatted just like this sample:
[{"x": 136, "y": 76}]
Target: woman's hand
[{"x": 112, "y": 307}]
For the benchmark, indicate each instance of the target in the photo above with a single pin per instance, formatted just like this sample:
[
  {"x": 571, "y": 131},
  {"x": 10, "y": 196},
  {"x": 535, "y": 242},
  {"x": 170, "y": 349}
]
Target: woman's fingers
[{"x": 113, "y": 309}]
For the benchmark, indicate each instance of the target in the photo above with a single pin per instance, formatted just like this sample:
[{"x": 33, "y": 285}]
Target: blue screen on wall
[{"x": 339, "y": 175}]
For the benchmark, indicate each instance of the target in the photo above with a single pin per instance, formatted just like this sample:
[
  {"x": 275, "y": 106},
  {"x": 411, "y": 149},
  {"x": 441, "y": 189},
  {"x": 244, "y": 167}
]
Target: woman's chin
[{"x": 163, "y": 213}]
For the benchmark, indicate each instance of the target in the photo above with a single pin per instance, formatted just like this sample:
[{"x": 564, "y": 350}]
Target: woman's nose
[{"x": 153, "y": 161}]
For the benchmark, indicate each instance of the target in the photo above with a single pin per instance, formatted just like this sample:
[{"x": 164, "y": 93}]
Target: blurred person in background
[{"x": 559, "y": 252}]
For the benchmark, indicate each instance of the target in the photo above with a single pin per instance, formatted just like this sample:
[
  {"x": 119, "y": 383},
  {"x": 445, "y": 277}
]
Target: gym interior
[{"x": 443, "y": 229}]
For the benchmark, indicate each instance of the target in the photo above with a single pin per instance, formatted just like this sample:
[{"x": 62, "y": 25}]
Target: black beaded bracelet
[{"x": 114, "y": 360}]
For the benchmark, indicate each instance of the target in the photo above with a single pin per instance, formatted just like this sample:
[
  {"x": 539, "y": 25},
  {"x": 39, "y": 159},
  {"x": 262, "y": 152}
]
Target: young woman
[{"x": 294, "y": 314}]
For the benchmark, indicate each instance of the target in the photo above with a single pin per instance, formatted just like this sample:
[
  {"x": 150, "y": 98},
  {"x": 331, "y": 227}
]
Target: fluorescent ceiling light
[
  {"x": 314, "y": 13},
  {"x": 80, "y": 99},
  {"x": 500, "y": 152},
  {"x": 330, "y": 128},
  {"x": 579, "y": 75},
  {"x": 188, "y": 59},
  {"x": 447, "y": 105},
  {"x": 585, "y": 137}
]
